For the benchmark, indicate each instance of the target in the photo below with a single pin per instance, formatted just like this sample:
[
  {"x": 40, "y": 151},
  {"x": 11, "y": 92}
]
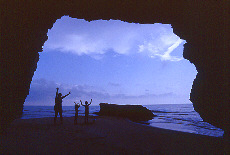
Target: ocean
[{"x": 179, "y": 117}]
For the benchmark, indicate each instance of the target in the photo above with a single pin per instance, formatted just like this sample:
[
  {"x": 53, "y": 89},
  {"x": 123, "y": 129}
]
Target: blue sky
[{"x": 112, "y": 61}]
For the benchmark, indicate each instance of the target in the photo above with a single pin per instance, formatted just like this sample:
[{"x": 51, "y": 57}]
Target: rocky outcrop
[
  {"x": 132, "y": 112},
  {"x": 203, "y": 24}
]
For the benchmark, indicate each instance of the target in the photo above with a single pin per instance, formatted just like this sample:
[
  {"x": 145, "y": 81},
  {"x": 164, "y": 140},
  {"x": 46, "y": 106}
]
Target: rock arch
[{"x": 203, "y": 24}]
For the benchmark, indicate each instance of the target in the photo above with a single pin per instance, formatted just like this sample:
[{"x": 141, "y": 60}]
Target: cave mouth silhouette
[
  {"x": 58, "y": 66},
  {"x": 204, "y": 25}
]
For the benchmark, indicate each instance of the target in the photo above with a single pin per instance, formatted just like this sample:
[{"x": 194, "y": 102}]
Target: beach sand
[{"x": 107, "y": 135}]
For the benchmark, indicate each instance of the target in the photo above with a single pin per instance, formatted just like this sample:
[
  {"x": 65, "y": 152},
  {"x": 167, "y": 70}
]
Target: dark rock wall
[
  {"x": 203, "y": 24},
  {"x": 23, "y": 33}
]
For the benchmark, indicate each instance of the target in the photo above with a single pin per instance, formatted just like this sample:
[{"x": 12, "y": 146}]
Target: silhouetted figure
[
  {"x": 77, "y": 105},
  {"x": 86, "y": 110},
  {"x": 58, "y": 105}
]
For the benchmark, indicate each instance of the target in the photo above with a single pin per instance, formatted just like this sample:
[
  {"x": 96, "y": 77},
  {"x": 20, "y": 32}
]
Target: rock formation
[
  {"x": 132, "y": 112},
  {"x": 203, "y": 24}
]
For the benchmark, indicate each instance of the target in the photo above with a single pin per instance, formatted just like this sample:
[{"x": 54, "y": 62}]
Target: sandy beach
[{"x": 105, "y": 135}]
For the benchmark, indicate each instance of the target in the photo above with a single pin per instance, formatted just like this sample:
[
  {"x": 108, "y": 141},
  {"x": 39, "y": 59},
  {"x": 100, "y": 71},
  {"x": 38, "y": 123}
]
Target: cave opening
[
  {"x": 112, "y": 62},
  {"x": 120, "y": 63}
]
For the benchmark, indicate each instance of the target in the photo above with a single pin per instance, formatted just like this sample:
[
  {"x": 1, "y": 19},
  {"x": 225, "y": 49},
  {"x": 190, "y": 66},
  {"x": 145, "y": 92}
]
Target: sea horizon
[{"x": 178, "y": 117}]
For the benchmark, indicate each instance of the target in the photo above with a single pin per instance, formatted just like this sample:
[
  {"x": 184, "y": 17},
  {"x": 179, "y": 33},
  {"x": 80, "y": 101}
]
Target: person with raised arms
[
  {"x": 77, "y": 105},
  {"x": 86, "y": 105},
  {"x": 58, "y": 105}
]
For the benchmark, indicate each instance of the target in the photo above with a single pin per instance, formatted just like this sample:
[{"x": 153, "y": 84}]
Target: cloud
[
  {"x": 42, "y": 92},
  {"x": 114, "y": 84},
  {"x": 95, "y": 38},
  {"x": 124, "y": 96},
  {"x": 162, "y": 48},
  {"x": 167, "y": 56},
  {"x": 148, "y": 99},
  {"x": 80, "y": 45}
]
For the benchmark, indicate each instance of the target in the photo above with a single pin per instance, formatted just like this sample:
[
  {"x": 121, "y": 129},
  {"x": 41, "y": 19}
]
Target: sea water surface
[{"x": 179, "y": 117}]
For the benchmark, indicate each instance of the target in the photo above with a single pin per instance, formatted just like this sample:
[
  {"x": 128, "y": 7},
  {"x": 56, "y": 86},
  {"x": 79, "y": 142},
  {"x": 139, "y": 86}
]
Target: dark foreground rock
[
  {"x": 133, "y": 112},
  {"x": 107, "y": 135}
]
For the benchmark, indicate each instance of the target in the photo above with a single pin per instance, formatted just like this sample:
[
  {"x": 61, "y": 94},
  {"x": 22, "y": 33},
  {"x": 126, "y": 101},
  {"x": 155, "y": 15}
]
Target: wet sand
[{"x": 107, "y": 135}]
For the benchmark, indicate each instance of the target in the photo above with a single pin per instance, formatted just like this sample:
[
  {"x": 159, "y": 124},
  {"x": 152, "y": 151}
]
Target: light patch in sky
[{"x": 95, "y": 38}]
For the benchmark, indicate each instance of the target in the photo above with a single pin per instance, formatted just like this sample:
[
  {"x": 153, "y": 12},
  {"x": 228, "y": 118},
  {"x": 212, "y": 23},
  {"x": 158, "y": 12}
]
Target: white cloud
[
  {"x": 78, "y": 44},
  {"x": 167, "y": 55},
  {"x": 162, "y": 48},
  {"x": 97, "y": 37}
]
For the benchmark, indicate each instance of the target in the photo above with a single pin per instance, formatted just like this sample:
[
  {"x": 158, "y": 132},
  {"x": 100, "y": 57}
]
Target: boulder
[{"x": 132, "y": 112}]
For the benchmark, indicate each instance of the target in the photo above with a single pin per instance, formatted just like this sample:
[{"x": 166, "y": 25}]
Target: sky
[{"x": 112, "y": 62}]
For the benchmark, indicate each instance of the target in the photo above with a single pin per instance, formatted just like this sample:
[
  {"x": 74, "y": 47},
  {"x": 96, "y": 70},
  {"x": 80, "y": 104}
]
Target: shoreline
[
  {"x": 166, "y": 126},
  {"x": 107, "y": 135},
  {"x": 165, "y": 119}
]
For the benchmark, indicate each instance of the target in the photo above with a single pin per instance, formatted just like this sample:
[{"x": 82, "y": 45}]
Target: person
[
  {"x": 86, "y": 105},
  {"x": 58, "y": 105},
  {"x": 77, "y": 105}
]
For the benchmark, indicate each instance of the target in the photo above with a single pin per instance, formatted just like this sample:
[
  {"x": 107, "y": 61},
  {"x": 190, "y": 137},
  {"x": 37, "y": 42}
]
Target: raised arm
[
  {"x": 65, "y": 95},
  {"x": 57, "y": 92},
  {"x": 90, "y": 101},
  {"x": 81, "y": 102},
  {"x": 77, "y": 104}
]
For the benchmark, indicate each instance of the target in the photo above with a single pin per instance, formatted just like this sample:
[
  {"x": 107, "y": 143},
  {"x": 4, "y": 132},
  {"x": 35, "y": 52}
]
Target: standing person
[
  {"x": 86, "y": 110},
  {"x": 58, "y": 105},
  {"x": 77, "y": 105}
]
